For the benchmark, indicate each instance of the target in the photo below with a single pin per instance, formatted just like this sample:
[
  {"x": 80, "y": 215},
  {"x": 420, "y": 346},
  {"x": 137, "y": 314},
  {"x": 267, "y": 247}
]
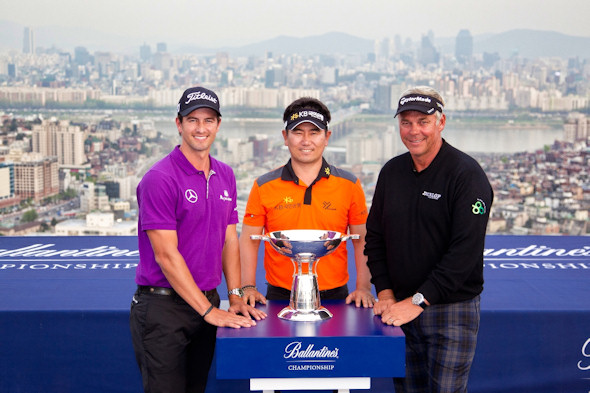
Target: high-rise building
[
  {"x": 112, "y": 189},
  {"x": 7, "y": 187},
  {"x": 385, "y": 48},
  {"x": 11, "y": 70},
  {"x": 274, "y": 77},
  {"x": 93, "y": 197},
  {"x": 145, "y": 52},
  {"x": 428, "y": 53},
  {"x": 386, "y": 96},
  {"x": 29, "y": 40},
  {"x": 59, "y": 139},
  {"x": 161, "y": 47},
  {"x": 222, "y": 59},
  {"x": 329, "y": 75},
  {"x": 576, "y": 127},
  {"x": 260, "y": 145},
  {"x": 82, "y": 56},
  {"x": 103, "y": 61},
  {"x": 35, "y": 176},
  {"x": 463, "y": 46},
  {"x": 162, "y": 61},
  {"x": 370, "y": 147},
  {"x": 382, "y": 96}
]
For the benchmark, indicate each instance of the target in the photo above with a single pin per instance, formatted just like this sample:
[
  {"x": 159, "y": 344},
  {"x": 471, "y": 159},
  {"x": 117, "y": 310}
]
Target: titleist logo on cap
[
  {"x": 200, "y": 95},
  {"x": 195, "y": 98}
]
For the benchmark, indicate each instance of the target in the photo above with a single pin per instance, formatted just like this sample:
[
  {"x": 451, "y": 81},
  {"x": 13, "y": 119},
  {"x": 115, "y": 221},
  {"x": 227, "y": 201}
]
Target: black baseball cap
[
  {"x": 195, "y": 98},
  {"x": 306, "y": 116},
  {"x": 419, "y": 102}
]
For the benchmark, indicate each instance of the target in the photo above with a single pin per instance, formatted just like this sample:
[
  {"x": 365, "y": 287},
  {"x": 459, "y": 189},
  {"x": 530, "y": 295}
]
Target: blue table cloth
[{"x": 64, "y": 309}]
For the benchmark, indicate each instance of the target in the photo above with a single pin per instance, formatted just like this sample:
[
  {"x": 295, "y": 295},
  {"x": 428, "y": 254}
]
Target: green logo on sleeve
[{"x": 478, "y": 207}]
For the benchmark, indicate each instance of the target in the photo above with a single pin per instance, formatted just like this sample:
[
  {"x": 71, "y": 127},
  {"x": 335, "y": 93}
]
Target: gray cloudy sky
[{"x": 238, "y": 22}]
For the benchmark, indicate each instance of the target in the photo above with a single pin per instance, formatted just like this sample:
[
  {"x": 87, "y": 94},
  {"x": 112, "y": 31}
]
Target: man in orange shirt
[{"x": 306, "y": 193}]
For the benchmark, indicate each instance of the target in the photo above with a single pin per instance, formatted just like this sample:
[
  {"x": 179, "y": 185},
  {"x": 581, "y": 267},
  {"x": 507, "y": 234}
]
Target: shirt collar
[
  {"x": 440, "y": 153},
  {"x": 187, "y": 167},
  {"x": 288, "y": 173}
]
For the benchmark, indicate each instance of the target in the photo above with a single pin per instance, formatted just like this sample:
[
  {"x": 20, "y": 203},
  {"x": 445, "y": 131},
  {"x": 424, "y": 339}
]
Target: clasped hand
[{"x": 397, "y": 313}]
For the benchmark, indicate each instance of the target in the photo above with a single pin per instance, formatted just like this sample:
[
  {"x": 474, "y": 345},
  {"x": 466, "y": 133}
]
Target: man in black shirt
[{"x": 425, "y": 239}]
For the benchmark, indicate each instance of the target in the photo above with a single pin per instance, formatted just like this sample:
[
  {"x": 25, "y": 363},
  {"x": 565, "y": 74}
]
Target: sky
[{"x": 239, "y": 22}]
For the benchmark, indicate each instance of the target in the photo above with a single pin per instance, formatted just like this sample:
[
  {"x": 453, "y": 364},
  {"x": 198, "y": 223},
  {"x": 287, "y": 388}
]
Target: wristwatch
[
  {"x": 418, "y": 300},
  {"x": 236, "y": 291}
]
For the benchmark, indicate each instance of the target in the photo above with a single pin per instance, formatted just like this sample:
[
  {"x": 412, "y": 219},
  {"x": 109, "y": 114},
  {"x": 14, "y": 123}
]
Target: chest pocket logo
[{"x": 191, "y": 195}]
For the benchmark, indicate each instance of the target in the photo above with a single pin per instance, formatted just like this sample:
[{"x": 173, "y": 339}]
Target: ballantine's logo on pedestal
[
  {"x": 312, "y": 359},
  {"x": 584, "y": 365},
  {"x": 293, "y": 351}
]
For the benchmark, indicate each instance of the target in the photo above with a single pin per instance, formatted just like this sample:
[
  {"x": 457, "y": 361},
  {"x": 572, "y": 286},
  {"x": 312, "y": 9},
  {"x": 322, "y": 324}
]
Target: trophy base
[{"x": 291, "y": 314}]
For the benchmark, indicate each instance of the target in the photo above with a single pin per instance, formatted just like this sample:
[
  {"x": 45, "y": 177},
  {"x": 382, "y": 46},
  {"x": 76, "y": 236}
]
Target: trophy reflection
[{"x": 304, "y": 247}]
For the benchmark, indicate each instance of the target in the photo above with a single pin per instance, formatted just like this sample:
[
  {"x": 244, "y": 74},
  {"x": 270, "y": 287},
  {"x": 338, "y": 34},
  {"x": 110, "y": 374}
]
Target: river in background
[
  {"x": 493, "y": 138},
  {"x": 501, "y": 139},
  {"x": 474, "y": 136}
]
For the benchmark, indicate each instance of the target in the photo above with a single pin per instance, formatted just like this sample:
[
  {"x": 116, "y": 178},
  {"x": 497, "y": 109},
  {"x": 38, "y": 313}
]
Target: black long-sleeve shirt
[{"x": 426, "y": 230}]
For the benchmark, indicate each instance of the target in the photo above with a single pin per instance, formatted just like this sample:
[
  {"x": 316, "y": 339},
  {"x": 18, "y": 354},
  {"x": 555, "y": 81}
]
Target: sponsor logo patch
[{"x": 191, "y": 195}]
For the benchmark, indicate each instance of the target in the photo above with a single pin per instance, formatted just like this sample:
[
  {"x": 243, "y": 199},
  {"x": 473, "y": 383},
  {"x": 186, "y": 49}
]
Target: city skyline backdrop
[{"x": 233, "y": 23}]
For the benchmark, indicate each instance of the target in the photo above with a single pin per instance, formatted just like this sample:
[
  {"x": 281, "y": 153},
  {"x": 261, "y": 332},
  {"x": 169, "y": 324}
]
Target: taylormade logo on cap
[
  {"x": 419, "y": 102},
  {"x": 413, "y": 99}
]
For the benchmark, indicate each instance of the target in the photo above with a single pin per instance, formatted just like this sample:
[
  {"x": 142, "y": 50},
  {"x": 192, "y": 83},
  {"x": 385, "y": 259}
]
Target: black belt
[
  {"x": 166, "y": 291},
  {"x": 329, "y": 292}
]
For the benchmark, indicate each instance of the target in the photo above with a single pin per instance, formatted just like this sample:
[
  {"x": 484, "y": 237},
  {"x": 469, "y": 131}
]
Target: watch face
[
  {"x": 417, "y": 299},
  {"x": 236, "y": 291}
]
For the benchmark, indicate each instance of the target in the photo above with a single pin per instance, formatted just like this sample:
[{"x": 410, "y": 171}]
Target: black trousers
[
  {"x": 278, "y": 293},
  {"x": 173, "y": 344}
]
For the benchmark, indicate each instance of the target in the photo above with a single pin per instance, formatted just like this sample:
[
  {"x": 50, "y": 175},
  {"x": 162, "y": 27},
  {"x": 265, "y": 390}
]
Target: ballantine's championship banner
[
  {"x": 81, "y": 253},
  {"x": 535, "y": 319},
  {"x": 120, "y": 252},
  {"x": 537, "y": 252}
]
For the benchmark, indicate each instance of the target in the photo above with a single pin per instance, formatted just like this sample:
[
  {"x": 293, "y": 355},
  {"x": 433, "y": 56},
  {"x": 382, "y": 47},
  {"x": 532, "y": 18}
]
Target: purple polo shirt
[{"x": 174, "y": 195}]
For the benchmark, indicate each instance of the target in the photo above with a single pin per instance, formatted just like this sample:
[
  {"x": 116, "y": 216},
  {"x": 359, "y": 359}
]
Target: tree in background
[{"x": 30, "y": 216}]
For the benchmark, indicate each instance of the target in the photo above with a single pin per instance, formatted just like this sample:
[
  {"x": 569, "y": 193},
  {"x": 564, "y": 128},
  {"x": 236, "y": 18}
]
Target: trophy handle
[{"x": 343, "y": 238}]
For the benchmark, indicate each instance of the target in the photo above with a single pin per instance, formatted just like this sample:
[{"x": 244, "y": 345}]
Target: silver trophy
[{"x": 305, "y": 247}]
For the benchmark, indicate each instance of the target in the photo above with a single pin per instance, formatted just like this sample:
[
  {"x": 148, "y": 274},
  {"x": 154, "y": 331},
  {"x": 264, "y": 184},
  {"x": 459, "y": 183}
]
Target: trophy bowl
[{"x": 304, "y": 247}]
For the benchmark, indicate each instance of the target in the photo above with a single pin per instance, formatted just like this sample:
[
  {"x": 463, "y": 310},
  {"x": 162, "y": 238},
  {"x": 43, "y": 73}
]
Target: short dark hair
[{"x": 307, "y": 103}]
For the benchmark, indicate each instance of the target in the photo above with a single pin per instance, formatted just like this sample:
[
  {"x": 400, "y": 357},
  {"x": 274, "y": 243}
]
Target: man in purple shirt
[{"x": 187, "y": 236}]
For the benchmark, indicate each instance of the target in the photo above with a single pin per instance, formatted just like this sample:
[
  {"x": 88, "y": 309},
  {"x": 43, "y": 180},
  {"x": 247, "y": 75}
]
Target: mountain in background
[
  {"x": 534, "y": 43},
  {"x": 525, "y": 43},
  {"x": 329, "y": 43}
]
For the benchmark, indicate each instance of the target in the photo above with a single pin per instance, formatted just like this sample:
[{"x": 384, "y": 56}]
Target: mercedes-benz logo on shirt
[{"x": 191, "y": 195}]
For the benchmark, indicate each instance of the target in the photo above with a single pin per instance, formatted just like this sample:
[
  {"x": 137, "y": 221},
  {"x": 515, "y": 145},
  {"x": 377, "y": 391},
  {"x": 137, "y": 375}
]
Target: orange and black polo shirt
[{"x": 279, "y": 201}]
